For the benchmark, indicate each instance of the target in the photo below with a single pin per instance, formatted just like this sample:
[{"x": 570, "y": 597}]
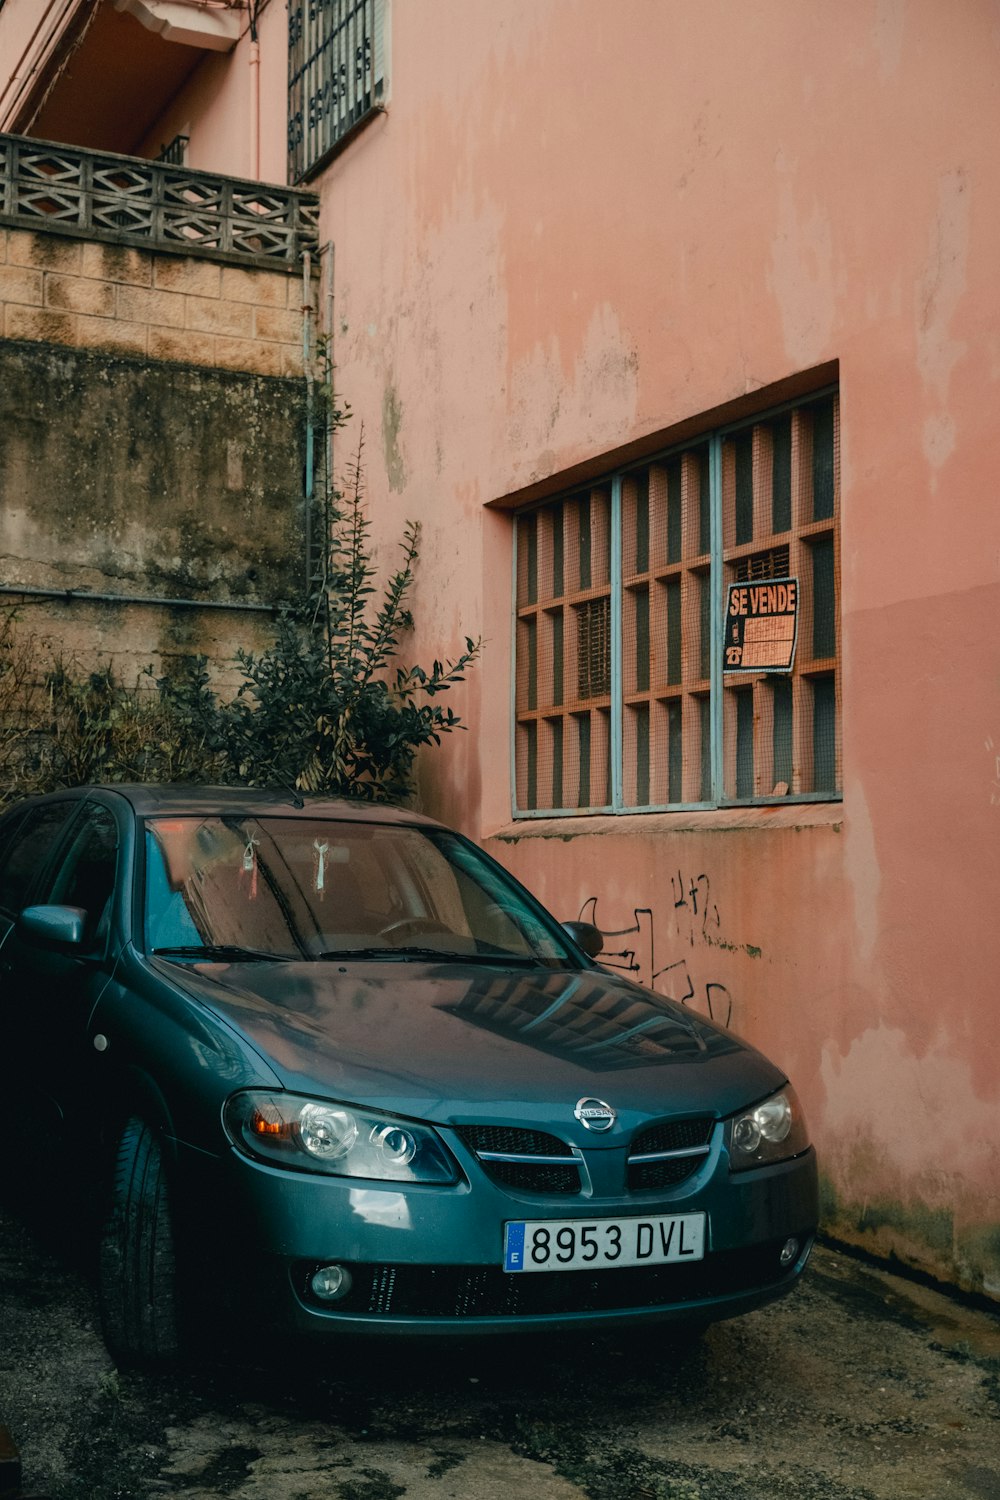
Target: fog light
[
  {"x": 330, "y": 1283},
  {"x": 789, "y": 1251}
]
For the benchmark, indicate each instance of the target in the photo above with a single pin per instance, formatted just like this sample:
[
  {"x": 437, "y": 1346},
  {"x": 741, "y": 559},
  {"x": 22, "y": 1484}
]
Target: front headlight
[
  {"x": 772, "y": 1131},
  {"x": 317, "y": 1135}
]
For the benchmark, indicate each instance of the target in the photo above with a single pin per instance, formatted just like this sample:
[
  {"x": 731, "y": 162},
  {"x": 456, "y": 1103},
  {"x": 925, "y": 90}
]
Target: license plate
[{"x": 602, "y": 1244}]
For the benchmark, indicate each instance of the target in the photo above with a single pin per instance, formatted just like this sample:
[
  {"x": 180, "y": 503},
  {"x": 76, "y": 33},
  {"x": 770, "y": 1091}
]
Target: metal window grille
[
  {"x": 335, "y": 75},
  {"x": 593, "y": 634},
  {"x": 621, "y": 700},
  {"x": 565, "y": 653},
  {"x": 175, "y": 153},
  {"x": 773, "y": 562}
]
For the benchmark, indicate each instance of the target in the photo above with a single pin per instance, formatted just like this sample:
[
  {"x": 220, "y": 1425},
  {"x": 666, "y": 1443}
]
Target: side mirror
[
  {"x": 53, "y": 926},
  {"x": 586, "y": 936}
]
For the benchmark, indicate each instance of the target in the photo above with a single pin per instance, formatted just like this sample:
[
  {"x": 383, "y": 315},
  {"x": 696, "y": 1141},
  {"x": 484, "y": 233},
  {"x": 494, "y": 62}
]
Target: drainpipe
[
  {"x": 88, "y": 596},
  {"x": 253, "y": 12},
  {"x": 254, "y": 108},
  {"x": 307, "y": 366},
  {"x": 322, "y": 318},
  {"x": 327, "y": 263}
]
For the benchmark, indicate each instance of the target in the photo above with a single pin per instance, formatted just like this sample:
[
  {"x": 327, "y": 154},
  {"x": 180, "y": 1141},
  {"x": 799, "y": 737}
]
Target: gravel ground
[{"x": 860, "y": 1386}]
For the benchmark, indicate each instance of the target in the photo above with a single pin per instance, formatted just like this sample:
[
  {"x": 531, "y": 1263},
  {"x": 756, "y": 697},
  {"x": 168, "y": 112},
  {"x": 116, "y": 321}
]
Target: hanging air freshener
[
  {"x": 250, "y": 864},
  {"x": 321, "y": 846}
]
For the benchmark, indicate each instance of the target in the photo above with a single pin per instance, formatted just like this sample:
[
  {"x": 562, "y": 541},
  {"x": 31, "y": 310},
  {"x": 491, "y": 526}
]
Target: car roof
[{"x": 149, "y": 801}]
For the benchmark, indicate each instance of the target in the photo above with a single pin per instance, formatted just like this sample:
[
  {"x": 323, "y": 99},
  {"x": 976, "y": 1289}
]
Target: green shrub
[{"x": 325, "y": 708}]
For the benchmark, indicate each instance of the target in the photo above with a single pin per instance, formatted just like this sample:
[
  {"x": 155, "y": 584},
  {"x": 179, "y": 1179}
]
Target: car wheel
[{"x": 138, "y": 1290}]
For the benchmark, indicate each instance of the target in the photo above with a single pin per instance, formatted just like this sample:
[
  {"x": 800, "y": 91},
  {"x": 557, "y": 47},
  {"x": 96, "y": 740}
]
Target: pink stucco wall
[
  {"x": 581, "y": 223},
  {"x": 578, "y": 224}
]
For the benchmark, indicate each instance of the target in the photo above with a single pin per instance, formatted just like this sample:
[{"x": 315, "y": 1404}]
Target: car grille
[
  {"x": 676, "y": 1149},
  {"x": 406, "y": 1291},
  {"x": 505, "y": 1154},
  {"x": 533, "y": 1161}
]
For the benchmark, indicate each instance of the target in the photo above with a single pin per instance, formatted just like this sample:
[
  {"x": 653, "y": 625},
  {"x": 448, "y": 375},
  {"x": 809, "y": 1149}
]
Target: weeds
[{"x": 325, "y": 708}]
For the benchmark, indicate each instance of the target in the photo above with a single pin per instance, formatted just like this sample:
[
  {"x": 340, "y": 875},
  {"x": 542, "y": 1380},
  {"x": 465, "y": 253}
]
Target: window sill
[
  {"x": 786, "y": 815},
  {"x": 316, "y": 168}
]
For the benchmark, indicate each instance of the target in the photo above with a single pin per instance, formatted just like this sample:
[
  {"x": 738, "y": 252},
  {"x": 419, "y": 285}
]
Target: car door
[{"x": 48, "y": 992}]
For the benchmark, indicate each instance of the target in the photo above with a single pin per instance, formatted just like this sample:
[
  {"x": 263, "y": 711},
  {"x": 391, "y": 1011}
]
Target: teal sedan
[{"x": 330, "y": 1068}]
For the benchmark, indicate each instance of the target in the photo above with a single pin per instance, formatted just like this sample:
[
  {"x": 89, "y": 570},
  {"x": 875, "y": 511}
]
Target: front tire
[{"x": 138, "y": 1274}]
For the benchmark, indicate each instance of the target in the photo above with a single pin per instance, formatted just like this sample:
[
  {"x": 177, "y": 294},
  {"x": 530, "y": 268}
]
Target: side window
[
  {"x": 86, "y": 876},
  {"x": 9, "y": 824},
  {"x": 28, "y": 850}
]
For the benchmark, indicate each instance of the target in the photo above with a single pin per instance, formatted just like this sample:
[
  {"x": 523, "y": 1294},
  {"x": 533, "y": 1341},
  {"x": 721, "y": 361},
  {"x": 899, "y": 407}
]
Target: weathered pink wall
[
  {"x": 24, "y": 26},
  {"x": 580, "y": 223}
]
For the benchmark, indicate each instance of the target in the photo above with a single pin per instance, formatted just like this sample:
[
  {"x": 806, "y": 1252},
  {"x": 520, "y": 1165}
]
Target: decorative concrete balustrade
[{"x": 126, "y": 200}]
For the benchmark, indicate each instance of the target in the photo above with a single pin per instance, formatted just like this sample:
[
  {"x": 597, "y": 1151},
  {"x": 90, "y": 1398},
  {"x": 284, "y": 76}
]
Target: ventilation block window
[{"x": 678, "y": 627}]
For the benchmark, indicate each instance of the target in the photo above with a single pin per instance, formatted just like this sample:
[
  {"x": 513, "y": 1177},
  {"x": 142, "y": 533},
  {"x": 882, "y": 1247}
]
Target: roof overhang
[
  {"x": 214, "y": 28},
  {"x": 100, "y": 73}
]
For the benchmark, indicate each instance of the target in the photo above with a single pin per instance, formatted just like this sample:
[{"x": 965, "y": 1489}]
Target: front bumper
[{"x": 428, "y": 1260}]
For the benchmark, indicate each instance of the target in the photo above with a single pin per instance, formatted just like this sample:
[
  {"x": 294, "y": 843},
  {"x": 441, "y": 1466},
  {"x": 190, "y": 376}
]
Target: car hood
[{"x": 440, "y": 1041}]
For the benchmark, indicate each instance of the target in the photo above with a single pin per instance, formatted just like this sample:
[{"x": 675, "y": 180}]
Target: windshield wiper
[
  {"x": 443, "y": 955},
  {"x": 225, "y": 952}
]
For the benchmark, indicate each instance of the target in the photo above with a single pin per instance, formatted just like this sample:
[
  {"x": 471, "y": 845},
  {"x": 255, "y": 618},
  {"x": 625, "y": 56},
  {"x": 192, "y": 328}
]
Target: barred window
[
  {"x": 677, "y": 627},
  {"x": 335, "y": 75}
]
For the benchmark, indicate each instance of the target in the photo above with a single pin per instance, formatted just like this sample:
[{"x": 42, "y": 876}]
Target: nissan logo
[{"x": 594, "y": 1114}]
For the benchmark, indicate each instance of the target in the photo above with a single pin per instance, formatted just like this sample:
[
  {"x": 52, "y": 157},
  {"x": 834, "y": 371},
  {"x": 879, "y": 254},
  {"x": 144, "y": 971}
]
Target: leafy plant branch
[{"x": 326, "y": 707}]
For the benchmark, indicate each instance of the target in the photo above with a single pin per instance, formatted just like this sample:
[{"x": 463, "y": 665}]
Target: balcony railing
[{"x": 127, "y": 200}]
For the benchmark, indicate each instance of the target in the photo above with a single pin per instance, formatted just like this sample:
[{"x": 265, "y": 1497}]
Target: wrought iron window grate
[
  {"x": 175, "y": 152},
  {"x": 335, "y": 75}
]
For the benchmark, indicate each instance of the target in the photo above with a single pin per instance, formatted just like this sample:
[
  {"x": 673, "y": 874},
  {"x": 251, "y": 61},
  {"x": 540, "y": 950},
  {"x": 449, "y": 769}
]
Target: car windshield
[{"x": 239, "y": 888}]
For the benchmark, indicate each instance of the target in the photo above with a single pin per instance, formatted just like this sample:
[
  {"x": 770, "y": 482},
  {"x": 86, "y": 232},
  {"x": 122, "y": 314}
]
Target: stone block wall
[
  {"x": 152, "y": 450},
  {"x": 89, "y": 294}
]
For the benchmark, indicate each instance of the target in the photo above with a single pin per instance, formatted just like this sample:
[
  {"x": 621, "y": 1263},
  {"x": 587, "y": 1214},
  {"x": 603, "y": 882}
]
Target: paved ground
[{"x": 859, "y": 1387}]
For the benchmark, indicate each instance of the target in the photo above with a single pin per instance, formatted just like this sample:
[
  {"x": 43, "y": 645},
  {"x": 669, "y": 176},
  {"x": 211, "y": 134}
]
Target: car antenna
[{"x": 295, "y": 795}]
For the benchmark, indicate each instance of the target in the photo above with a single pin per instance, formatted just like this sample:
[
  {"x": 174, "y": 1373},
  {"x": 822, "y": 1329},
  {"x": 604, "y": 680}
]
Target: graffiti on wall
[
  {"x": 694, "y": 910},
  {"x": 693, "y": 921}
]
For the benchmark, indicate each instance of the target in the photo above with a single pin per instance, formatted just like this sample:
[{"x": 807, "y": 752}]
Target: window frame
[
  {"x": 31, "y": 815},
  {"x": 73, "y": 842},
  {"x": 310, "y": 147},
  {"x": 713, "y": 439}
]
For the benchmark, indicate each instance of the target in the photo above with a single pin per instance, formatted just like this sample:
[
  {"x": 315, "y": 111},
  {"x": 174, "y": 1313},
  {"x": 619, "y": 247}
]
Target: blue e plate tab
[{"x": 513, "y": 1247}]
